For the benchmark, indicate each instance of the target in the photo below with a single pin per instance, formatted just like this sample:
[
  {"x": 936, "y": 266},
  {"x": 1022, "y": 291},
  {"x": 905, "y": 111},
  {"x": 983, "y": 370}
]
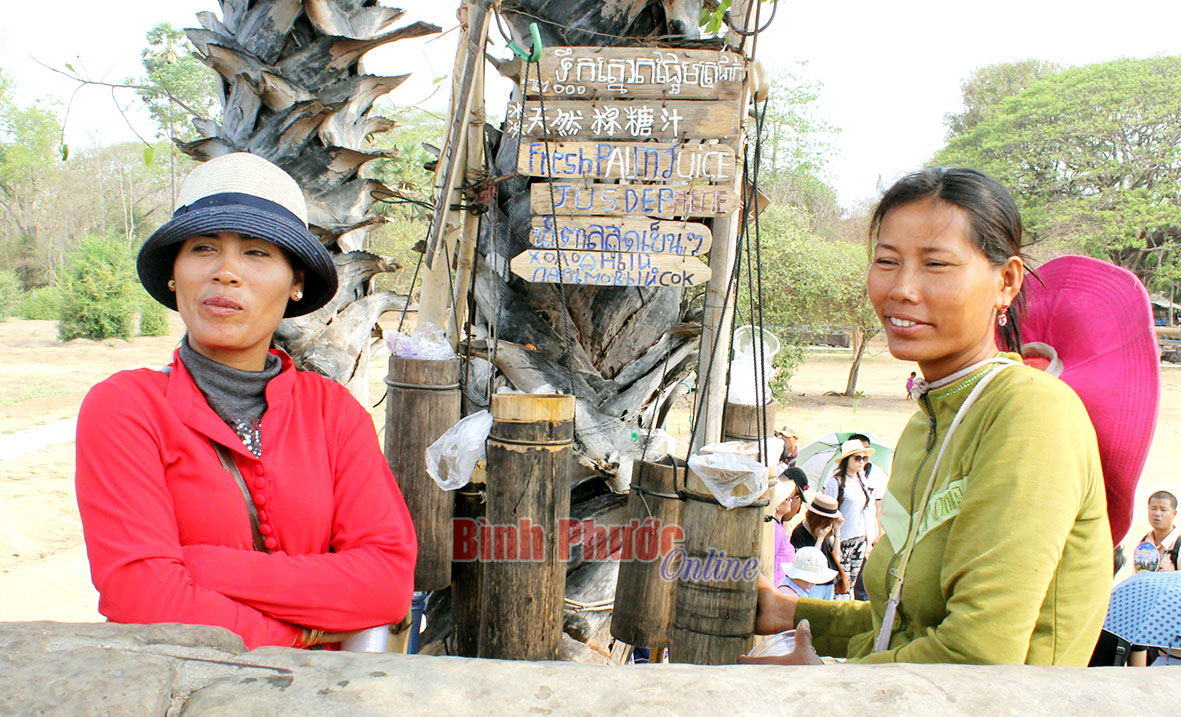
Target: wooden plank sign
[
  {"x": 620, "y": 234},
  {"x": 609, "y": 268},
  {"x": 639, "y": 72},
  {"x": 658, "y": 200},
  {"x": 676, "y": 162},
  {"x": 623, "y": 119}
]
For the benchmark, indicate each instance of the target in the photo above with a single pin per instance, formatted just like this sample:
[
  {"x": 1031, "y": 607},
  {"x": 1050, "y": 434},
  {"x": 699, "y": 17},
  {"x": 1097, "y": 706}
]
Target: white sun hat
[{"x": 809, "y": 564}]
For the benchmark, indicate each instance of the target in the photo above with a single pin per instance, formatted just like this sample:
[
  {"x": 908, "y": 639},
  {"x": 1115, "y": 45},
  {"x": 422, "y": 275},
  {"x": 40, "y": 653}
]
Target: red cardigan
[{"x": 166, "y": 527}]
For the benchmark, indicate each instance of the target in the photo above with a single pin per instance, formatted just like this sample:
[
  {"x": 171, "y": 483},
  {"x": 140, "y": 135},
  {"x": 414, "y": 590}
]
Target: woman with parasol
[
  {"x": 997, "y": 545},
  {"x": 229, "y": 488}
]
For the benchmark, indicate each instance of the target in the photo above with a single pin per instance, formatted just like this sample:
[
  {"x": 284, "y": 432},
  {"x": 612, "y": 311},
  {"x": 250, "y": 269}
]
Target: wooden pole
[
  {"x": 643, "y": 597},
  {"x": 422, "y": 402},
  {"x": 719, "y": 308},
  {"x": 468, "y": 64},
  {"x": 435, "y": 302},
  {"x": 717, "y": 579},
  {"x": 523, "y": 585},
  {"x": 474, "y": 162}
]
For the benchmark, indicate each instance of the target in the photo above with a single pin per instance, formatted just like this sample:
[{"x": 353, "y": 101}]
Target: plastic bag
[
  {"x": 725, "y": 473},
  {"x": 451, "y": 459},
  {"x": 640, "y": 444},
  {"x": 772, "y": 449},
  {"x": 426, "y": 342},
  {"x": 652, "y": 445},
  {"x": 783, "y": 643}
]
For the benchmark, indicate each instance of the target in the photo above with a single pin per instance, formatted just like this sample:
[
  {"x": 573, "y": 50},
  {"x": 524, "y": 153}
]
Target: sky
[{"x": 889, "y": 72}]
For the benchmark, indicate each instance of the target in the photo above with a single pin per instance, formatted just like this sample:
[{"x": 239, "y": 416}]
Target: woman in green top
[{"x": 997, "y": 547}]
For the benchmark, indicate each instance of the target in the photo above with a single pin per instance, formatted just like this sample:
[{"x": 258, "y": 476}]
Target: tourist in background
[
  {"x": 807, "y": 575},
  {"x": 819, "y": 529},
  {"x": 787, "y": 497},
  {"x": 848, "y": 485}
]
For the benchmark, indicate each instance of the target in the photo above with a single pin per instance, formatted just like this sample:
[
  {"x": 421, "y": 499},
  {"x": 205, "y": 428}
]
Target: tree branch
[{"x": 123, "y": 86}]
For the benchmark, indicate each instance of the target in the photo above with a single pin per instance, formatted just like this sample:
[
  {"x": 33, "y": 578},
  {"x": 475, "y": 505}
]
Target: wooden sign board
[
  {"x": 623, "y": 119},
  {"x": 657, "y": 200},
  {"x": 673, "y": 162},
  {"x": 609, "y": 268},
  {"x": 636, "y": 72},
  {"x": 620, "y": 234}
]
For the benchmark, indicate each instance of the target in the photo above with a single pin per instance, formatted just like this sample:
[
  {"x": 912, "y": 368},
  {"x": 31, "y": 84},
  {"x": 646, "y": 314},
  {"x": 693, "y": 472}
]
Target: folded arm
[
  {"x": 131, "y": 533},
  {"x": 368, "y": 577}
]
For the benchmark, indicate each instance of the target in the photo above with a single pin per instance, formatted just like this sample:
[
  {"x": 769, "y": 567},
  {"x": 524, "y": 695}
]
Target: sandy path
[{"x": 43, "y": 571}]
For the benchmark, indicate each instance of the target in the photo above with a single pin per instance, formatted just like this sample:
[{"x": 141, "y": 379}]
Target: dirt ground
[{"x": 43, "y": 571}]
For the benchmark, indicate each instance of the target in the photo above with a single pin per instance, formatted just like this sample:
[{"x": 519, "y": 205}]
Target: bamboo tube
[
  {"x": 524, "y": 576},
  {"x": 741, "y": 422},
  {"x": 422, "y": 402},
  {"x": 643, "y": 597},
  {"x": 717, "y": 579}
]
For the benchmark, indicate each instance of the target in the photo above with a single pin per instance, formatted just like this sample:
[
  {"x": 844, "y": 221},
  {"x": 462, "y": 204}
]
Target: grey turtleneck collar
[{"x": 238, "y": 397}]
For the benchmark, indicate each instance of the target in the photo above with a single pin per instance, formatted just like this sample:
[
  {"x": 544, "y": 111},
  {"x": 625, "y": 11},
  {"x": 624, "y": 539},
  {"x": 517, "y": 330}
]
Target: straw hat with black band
[
  {"x": 824, "y": 505},
  {"x": 246, "y": 194},
  {"x": 851, "y": 447}
]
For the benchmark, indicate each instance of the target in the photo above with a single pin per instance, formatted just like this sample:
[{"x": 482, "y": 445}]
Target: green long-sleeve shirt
[{"x": 1013, "y": 560}]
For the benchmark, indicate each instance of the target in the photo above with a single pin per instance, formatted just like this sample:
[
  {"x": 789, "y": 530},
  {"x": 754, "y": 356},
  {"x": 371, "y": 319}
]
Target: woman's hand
[
  {"x": 804, "y": 654},
  {"x": 775, "y": 611}
]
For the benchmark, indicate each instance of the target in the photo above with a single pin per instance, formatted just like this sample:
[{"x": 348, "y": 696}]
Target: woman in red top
[{"x": 310, "y": 540}]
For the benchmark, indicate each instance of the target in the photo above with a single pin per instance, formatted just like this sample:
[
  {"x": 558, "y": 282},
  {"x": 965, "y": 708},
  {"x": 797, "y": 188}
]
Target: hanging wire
[
  {"x": 410, "y": 291},
  {"x": 752, "y": 33}
]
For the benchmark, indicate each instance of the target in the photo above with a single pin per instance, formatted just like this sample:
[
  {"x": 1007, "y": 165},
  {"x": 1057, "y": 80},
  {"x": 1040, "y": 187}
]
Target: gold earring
[
  {"x": 297, "y": 295},
  {"x": 172, "y": 284}
]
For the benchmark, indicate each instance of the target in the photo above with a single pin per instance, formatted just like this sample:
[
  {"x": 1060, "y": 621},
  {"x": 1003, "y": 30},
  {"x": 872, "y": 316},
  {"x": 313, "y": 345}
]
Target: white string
[{"x": 891, "y": 614}]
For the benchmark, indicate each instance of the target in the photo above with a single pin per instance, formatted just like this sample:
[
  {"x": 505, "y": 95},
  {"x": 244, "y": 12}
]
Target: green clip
[{"x": 535, "y": 54}]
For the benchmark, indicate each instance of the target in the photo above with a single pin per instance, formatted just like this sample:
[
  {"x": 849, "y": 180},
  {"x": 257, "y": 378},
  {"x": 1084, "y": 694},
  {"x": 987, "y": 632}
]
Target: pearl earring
[
  {"x": 297, "y": 295},
  {"x": 172, "y": 284}
]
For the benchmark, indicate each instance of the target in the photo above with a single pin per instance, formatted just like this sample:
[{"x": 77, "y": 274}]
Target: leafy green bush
[
  {"x": 11, "y": 294},
  {"x": 98, "y": 291},
  {"x": 42, "y": 304},
  {"x": 785, "y": 363},
  {"x": 153, "y": 318}
]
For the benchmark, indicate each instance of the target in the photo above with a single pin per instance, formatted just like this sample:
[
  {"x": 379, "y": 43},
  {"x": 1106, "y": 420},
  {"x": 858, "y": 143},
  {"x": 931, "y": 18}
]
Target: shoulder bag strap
[
  {"x": 891, "y": 614},
  {"x": 227, "y": 461}
]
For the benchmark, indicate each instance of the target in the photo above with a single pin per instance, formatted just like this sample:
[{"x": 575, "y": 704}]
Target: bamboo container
[
  {"x": 523, "y": 584},
  {"x": 644, "y": 597},
  {"x": 422, "y": 402},
  {"x": 714, "y": 608},
  {"x": 744, "y": 423}
]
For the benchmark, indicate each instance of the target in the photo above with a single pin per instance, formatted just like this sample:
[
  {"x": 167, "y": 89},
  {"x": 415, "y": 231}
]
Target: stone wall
[{"x": 100, "y": 669}]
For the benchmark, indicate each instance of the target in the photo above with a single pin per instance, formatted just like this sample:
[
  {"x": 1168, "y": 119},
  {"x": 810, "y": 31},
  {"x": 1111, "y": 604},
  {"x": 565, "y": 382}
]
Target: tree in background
[
  {"x": 811, "y": 282},
  {"x": 184, "y": 88},
  {"x": 29, "y": 171},
  {"x": 812, "y": 252},
  {"x": 986, "y": 87},
  {"x": 178, "y": 88},
  {"x": 408, "y": 208},
  {"x": 99, "y": 291},
  {"x": 1093, "y": 155}
]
